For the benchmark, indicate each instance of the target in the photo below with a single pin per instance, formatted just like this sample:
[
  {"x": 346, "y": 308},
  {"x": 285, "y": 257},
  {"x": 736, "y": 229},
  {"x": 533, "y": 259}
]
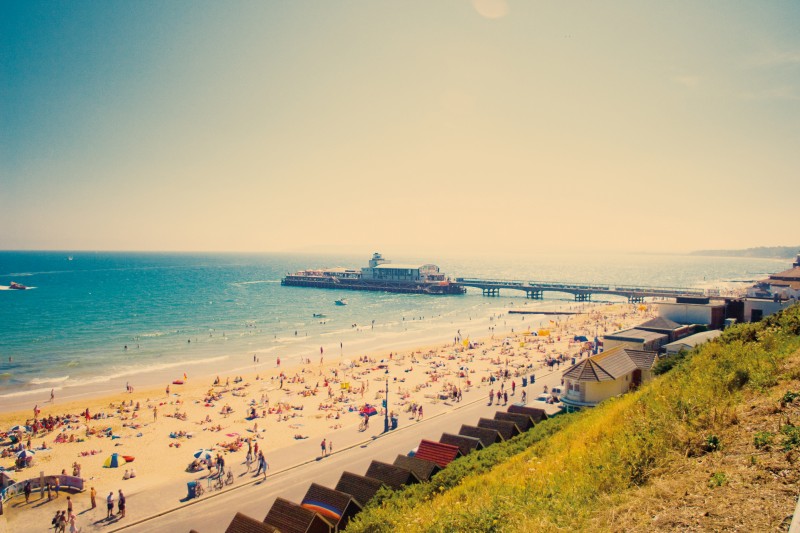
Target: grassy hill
[{"x": 712, "y": 444}]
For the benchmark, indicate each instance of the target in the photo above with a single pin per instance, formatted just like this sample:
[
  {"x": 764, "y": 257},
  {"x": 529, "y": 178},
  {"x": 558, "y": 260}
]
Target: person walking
[
  {"x": 248, "y": 460},
  {"x": 27, "y": 491},
  {"x": 323, "y": 447},
  {"x": 110, "y": 505},
  {"x": 93, "y": 497},
  {"x": 419, "y": 413},
  {"x": 69, "y": 505},
  {"x": 58, "y": 486},
  {"x": 121, "y": 504},
  {"x": 505, "y": 398},
  {"x": 491, "y": 396},
  {"x": 524, "y": 397},
  {"x": 72, "y": 527}
]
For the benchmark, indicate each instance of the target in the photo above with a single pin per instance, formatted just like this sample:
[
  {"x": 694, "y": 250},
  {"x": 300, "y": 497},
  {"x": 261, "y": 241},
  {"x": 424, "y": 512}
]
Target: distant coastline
[{"x": 764, "y": 252}]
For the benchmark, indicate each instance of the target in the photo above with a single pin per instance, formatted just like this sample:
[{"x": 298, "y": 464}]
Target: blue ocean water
[{"x": 93, "y": 317}]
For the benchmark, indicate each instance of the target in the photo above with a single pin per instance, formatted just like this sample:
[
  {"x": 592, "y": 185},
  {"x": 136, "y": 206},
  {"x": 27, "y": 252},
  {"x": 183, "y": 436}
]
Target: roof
[
  {"x": 660, "y": 323},
  {"x": 464, "y": 443},
  {"x": 332, "y": 504},
  {"x": 486, "y": 435},
  {"x": 289, "y": 517},
  {"x": 507, "y": 429},
  {"x": 536, "y": 413},
  {"x": 244, "y": 524},
  {"x": 439, "y": 453},
  {"x": 793, "y": 274},
  {"x": 393, "y": 475},
  {"x": 693, "y": 340},
  {"x": 385, "y": 266},
  {"x": 635, "y": 334},
  {"x": 523, "y": 422},
  {"x": 423, "y": 468},
  {"x": 611, "y": 364},
  {"x": 362, "y": 488}
]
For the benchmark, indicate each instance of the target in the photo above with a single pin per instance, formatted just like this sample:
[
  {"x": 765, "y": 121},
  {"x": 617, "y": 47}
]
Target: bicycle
[
  {"x": 229, "y": 479},
  {"x": 198, "y": 490},
  {"x": 218, "y": 483}
]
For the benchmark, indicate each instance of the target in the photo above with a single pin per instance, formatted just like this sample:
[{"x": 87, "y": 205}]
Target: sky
[{"x": 472, "y": 126}]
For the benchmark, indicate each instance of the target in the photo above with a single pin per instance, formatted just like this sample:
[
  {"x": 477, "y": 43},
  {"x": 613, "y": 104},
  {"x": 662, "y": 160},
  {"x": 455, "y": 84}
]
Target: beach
[{"x": 281, "y": 409}]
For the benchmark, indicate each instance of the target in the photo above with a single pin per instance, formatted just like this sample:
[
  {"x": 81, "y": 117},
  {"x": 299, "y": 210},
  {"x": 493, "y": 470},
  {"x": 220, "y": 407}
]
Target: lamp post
[{"x": 386, "y": 412}]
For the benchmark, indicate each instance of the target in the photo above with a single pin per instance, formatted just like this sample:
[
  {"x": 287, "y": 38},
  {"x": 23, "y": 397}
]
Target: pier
[{"x": 582, "y": 292}]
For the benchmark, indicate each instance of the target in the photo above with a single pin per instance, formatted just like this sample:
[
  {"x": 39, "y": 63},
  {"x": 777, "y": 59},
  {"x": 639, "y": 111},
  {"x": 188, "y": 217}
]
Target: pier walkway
[{"x": 581, "y": 292}]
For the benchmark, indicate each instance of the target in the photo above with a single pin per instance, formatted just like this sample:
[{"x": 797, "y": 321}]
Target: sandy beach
[{"x": 280, "y": 410}]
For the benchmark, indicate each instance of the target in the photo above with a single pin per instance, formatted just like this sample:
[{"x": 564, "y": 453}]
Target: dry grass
[{"x": 738, "y": 488}]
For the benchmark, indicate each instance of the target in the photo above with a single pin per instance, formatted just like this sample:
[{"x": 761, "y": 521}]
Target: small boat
[
  {"x": 319, "y": 315},
  {"x": 17, "y": 286},
  {"x": 341, "y": 302}
]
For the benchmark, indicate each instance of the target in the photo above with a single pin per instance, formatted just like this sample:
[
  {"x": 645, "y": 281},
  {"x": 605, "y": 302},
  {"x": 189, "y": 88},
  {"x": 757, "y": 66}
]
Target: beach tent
[
  {"x": 369, "y": 410},
  {"x": 580, "y": 338},
  {"x": 544, "y": 332},
  {"x": 25, "y": 454},
  {"x": 114, "y": 461},
  {"x": 16, "y": 429}
]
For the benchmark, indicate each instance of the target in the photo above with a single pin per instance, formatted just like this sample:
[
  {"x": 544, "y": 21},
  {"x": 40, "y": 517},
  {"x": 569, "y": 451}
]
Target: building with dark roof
[
  {"x": 464, "y": 443},
  {"x": 523, "y": 422},
  {"x": 362, "y": 488},
  {"x": 394, "y": 476},
  {"x": 422, "y": 468},
  {"x": 638, "y": 339},
  {"x": 242, "y": 523},
  {"x": 288, "y": 517},
  {"x": 665, "y": 326},
  {"x": 506, "y": 428},
  {"x": 335, "y": 506},
  {"x": 536, "y": 413},
  {"x": 439, "y": 453},
  {"x": 607, "y": 374},
  {"x": 487, "y": 436}
]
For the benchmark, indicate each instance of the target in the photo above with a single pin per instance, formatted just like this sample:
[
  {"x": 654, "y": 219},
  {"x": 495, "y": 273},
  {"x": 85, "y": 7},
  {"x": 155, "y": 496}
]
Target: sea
[{"x": 94, "y": 322}]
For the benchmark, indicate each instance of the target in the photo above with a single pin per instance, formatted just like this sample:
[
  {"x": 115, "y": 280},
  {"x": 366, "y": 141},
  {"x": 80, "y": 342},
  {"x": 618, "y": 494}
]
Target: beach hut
[
  {"x": 487, "y": 436},
  {"x": 242, "y": 523},
  {"x": 440, "y": 453},
  {"x": 362, "y": 488},
  {"x": 523, "y": 422},
  {"x": 394, "y": 476},
  {"x": 115, "y": 460},
  {"x": 288, "y": 517},
  {"x": 422, "y": 468},
  {"x": 335, "y": 506},
  {"x": 534, "y": 412},
  {"x": 465, "y": 444},
  {"x": 507, "y": 429}
]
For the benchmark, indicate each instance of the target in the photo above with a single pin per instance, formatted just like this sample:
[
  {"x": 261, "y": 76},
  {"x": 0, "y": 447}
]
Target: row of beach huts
[{"x": 326, "y": 510}]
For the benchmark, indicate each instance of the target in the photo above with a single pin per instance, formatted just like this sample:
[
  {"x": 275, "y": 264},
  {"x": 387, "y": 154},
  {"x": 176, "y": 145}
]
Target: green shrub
[
  {"x": 717, "y": 479},
  {"x": 763, "y": 440}
]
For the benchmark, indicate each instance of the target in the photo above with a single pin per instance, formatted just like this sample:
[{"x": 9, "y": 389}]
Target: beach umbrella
[
  {"x": 23, "y": 429},
  {"x": 203, "y": 453},
  {"x": 25, "y": 454},
  {"x": 114, "y": 461}
]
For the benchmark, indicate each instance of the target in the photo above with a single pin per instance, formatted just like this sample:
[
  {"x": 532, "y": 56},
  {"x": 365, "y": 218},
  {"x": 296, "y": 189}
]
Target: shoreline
[{"x": 362, "y": 341}]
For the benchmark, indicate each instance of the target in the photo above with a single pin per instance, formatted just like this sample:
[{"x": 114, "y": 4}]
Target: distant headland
[{"x": 767, "y": 252}]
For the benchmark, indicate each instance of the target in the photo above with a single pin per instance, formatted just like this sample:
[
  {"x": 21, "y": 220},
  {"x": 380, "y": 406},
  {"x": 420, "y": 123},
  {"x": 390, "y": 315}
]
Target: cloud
[
  {"x": 774, "y": 58},
  {"x": 784, "y": 92},
  {"x": 687, "y": 80}
]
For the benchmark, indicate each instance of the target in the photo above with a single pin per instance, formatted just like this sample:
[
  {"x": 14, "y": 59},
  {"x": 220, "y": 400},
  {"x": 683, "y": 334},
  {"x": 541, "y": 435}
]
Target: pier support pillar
[
  {"x": 533, "y": 294},
  {"x": 583, "y": 296}
]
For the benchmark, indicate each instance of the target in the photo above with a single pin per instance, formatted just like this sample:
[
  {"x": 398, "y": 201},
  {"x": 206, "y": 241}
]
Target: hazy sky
[{"x": 404, "y": 126}]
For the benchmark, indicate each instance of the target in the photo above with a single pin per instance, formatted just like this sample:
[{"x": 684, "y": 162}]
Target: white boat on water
[{"x": 341, "y": 302}]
